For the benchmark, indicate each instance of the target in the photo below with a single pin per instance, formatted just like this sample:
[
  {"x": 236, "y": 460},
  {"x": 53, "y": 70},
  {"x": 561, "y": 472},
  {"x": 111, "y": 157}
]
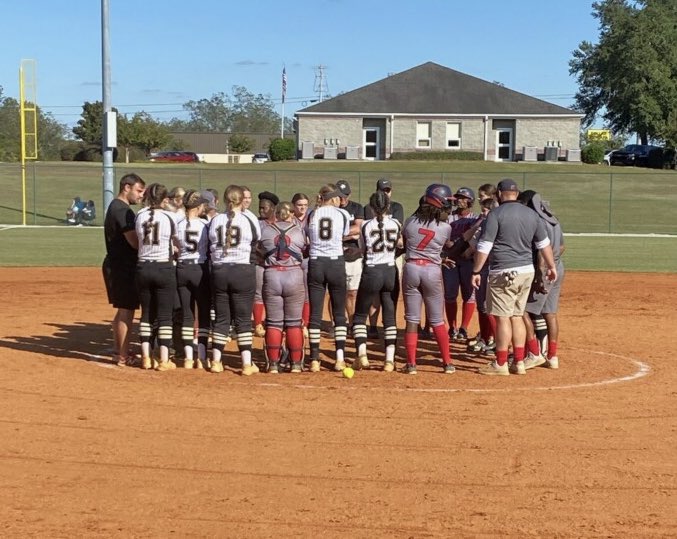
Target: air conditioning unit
[
  {"x": 330, "y": 152},
  {"x": 530, "y": 153},
  {"x": 574, "y": 156},
  {"x": 352, "y": 152},
  {"x": 551, "y": 153}
]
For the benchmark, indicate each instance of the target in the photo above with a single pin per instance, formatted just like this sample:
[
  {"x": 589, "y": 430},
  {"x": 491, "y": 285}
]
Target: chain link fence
[{"x": 616, "y": 201}]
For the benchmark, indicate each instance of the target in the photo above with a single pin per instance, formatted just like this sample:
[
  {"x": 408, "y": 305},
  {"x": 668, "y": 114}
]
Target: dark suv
[{"x": 633, "y": 154}]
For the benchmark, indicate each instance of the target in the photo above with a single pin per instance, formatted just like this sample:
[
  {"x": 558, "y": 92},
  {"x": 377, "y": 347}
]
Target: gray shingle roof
[{"x": 434, "y": 89}]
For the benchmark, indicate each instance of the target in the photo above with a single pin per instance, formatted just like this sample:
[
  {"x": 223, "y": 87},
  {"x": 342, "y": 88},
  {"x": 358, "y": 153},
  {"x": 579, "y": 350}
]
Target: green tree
[
  {"x": 89, "y": 128},
  {"x": 630, "y": 75},
  {"x": 240, "y": 144},
  {"x": 243, "y": 112},
  {"x": 51, "y": 134},
  {"x": 144, "y": 132}
]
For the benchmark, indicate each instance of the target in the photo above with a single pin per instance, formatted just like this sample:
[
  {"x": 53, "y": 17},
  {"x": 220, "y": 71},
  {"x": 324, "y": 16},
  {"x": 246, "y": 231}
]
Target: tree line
[{"x": 139, "y": 133}]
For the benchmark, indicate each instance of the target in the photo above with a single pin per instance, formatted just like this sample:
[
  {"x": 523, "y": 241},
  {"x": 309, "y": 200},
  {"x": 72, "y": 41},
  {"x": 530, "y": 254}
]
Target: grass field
[
  {"x": 83, "y": 246},
  {"x": 586, "y": 198}
]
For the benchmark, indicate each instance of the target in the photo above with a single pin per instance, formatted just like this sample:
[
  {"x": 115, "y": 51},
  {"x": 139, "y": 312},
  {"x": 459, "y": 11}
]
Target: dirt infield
[{"x": 88, "y": 449}]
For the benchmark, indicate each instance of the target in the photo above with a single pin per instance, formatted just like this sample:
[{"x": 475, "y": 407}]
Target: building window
[
  {"x": 453, "y": 136},
  {"x": 424, "y": 135}
]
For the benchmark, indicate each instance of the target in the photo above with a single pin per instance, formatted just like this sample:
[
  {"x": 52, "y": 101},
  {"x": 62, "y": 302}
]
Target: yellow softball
[{"x": 348, "y": 372}]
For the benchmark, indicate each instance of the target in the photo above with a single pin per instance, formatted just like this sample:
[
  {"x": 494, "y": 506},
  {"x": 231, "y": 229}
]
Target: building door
[
  {"x": 504, "y": 144},
  {"x": 371, "y": 143}
]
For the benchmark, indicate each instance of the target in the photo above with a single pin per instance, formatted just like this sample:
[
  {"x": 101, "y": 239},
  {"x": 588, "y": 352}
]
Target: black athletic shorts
[{"x": 120, "y": 285}]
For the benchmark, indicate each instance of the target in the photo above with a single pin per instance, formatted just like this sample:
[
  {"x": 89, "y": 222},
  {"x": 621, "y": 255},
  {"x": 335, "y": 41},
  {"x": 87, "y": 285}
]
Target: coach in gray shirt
[{"x": 509, "y": 233}]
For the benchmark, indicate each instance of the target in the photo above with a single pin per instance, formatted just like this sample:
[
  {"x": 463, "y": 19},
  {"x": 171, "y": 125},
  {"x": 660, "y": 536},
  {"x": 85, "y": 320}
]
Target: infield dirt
[{"x": 89, "y": 449}]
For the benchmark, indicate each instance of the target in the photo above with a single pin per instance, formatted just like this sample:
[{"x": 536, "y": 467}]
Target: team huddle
[{"x": 204, "y": 277}]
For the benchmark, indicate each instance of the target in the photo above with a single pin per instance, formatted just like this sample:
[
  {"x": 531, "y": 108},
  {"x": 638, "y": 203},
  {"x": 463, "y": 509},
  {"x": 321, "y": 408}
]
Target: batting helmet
[
  {"x": 438, "y": 195},
  {"x": 465, "y": 192}
]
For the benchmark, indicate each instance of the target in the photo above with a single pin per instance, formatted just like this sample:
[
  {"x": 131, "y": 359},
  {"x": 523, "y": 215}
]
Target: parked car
[
  {"x": 175, "y": 156},
  {"x": 632, "y": 154},
  {"x": 260, "y": 158}
]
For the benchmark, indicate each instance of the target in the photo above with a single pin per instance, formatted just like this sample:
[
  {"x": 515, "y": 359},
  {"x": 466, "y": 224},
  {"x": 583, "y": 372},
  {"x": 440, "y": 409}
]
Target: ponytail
[{"x": 233, "y": 197}]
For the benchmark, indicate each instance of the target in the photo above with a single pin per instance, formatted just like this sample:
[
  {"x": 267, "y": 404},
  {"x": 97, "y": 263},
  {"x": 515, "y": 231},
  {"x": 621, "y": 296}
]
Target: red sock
[
  {"x": 442, "y": 338},
  {"x": 258, "y": 313},
  {"x": 468, "y": 311},
  {"x": 552, "y": 349},
  {"x": 492, "y": 325},
  {"x": 533, "y": 346},
  {"x": 305, "y": 314},
  {"x": 518, "y": 353},
  {"x": 295, "y": 343},
  {"x": 451, "y": 308},
  {"x": 484, "y": 325},
  {"x": 411, "y": 344},
  {"x": 273, "y": 343},
  {"x": 501, "y": 357}
]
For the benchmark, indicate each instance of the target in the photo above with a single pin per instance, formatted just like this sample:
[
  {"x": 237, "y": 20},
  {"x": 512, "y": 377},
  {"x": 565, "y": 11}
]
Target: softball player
[
  {"x": 232, "y": 240},
  {"x": 425, "y": 234},
  {"x": 540, "y": 315},
  {"x": 192, "y": 279},
  {"x": 156, "y": 275},
  {"x": 267, "y": 203},
  {"x": 282, "y": 244},
  {"x": 379, "y": 239},
  {"x": 459, "y": 276},
  {"x": 326, "y": 227},
  {"x": 300, "y": 201}
]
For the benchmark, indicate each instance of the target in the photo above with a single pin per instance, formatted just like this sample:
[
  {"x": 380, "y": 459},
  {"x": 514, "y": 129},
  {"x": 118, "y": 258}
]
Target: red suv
[{"x": 176, "y": 157}]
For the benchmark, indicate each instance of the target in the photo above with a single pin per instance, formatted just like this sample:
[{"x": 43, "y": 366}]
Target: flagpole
[{"x": 284, "y": 96}]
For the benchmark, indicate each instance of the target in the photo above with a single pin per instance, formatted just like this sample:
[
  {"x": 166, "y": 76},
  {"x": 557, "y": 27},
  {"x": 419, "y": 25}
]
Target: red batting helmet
[{"x": 438, "y": 195}]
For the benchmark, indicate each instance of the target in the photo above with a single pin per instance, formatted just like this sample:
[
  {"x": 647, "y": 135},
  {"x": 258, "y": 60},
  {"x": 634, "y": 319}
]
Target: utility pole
[{"x": 109, "y": 138}]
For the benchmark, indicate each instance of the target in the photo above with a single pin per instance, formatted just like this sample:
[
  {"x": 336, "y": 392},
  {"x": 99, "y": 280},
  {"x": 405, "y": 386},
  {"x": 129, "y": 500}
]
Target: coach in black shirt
[
  {"x": 396, "y": 209},
  {"x": 351, "y": 249},
  {"x": 119, "y": 266}
]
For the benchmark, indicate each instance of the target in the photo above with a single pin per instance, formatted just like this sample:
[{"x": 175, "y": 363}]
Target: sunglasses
[{"x": 387, "y": 190}]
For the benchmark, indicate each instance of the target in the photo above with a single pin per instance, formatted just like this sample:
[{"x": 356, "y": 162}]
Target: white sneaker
[
  {"x": 216, "y": 367},
  {"x": 493, "y": 369},
  {"x": 315, "y": 365},
  {"x": 340, "y": 365},
  {"x": 517, "y": 367},
  {"x": 552, "y": 363},
  {"x": 361, "y": 363},
  {"x": 532, "y": 361},
  {"x": 388, "y": 366}
]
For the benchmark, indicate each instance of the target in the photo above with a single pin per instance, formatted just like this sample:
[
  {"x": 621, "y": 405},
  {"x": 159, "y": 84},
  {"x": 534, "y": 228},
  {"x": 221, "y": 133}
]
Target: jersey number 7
[{"x": 428, "y": 235}]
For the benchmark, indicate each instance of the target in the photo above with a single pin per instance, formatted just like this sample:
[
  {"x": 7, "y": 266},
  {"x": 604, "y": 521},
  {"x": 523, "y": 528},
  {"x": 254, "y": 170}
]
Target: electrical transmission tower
[{"x": 320, "y": 87}]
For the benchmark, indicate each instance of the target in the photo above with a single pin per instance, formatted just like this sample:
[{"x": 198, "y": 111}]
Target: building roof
[{"x": 434, "y": 89}]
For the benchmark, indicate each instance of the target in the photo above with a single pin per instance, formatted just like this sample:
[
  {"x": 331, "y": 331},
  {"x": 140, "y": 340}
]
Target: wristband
[{"x": 476, "y": 272}]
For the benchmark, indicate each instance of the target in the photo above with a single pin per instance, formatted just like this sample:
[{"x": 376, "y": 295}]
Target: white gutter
[
  {"x": 392, "y": 128},
  {"x": 448, "y": 115}
]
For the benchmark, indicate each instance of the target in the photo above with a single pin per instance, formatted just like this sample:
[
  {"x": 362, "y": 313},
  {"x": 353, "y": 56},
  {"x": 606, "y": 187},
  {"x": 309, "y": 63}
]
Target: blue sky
[{"x": 166, "y": 52}]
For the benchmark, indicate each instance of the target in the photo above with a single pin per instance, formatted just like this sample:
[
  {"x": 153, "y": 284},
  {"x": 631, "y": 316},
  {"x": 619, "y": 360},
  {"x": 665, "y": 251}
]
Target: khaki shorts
[
  {"x": 508, "y": 297},
  {"x": 353, "y": 274}
]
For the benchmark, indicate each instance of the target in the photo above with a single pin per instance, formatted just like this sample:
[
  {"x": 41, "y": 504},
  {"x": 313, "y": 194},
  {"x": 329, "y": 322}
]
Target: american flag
[{"x": 284, "y": 83}]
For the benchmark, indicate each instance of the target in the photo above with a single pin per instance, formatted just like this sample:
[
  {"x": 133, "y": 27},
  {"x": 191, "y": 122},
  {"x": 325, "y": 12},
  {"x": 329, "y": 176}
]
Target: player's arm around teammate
[
  {"x": 327, "y": 226},
  {"x": 379, "y": 237},
  {"x": 192, "y": 277},
  {"x": 233, "y": 236},
  {"x": 283, "y": 243},
  {"x": 425, "y": 234},
  {"x": 156, "y": 275}
]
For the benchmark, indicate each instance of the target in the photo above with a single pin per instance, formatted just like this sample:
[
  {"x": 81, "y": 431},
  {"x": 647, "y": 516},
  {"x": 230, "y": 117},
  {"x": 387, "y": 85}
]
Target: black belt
[
  {"x": 326, "y": 257},
  {"x": 190, "y": 261},
  {"x": 154, "y": 261}
]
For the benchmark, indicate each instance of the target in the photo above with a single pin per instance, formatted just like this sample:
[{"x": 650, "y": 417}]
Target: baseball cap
[
  {"x": 209, "y": 199},
  {"x": 383, "y": 184},
  {"x": 507, "y": 185},
  {"x": 343, "y": 187},
  {"x": 267, "y": 195}
]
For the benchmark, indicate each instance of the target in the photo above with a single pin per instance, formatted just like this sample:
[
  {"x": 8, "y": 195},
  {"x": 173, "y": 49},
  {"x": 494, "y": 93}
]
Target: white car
[
  {"x": 260, "y": 158},
  {"x": 607, "y": 157}
]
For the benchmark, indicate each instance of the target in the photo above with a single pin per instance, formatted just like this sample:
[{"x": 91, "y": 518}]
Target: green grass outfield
[
  {"x": 586, "y": 198},
  {"x": 84, "y": 246}
]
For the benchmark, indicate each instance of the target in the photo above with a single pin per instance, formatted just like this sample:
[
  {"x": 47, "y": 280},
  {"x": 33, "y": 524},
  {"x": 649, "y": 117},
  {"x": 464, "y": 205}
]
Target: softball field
[{"x": 90, "y": 449}]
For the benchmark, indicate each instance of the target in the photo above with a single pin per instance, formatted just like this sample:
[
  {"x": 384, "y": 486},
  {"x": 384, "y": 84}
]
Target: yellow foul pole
[{"x": 29, "y": 122}]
